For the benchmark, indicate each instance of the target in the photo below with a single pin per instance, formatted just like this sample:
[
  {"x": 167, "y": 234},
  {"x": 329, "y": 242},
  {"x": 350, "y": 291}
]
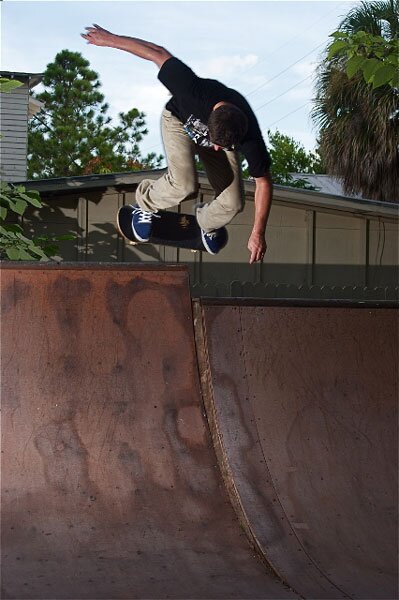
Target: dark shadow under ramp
[
  {"x": 303, "y": 407},
  {"x": 110, "y": 484}
]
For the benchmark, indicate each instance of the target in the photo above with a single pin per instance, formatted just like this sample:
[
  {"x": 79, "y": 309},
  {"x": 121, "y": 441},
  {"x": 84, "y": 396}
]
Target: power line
[
  {"x": 285, "y": 70},
  {"x": 289, "y": 41},
  {"x": 283, "y": 93},
  {"x": 288, "y": 114}
]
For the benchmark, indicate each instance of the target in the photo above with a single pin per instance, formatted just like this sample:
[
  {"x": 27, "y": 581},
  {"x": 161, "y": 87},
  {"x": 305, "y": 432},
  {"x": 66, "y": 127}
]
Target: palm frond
[{"x": 359, "y": 125}]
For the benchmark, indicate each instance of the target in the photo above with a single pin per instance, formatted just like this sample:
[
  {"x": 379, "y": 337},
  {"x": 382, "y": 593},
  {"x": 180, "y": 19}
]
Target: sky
[{"x": 267, "y": 50}]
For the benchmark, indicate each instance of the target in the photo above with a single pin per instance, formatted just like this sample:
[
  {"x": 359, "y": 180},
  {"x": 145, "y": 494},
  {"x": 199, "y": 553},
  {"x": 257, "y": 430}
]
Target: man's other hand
[{"x": 257, "y": 247}]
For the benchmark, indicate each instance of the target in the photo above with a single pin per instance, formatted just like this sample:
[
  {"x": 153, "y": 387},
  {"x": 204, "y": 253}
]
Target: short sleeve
[
  {"x": 257, "y": 156},
  {"x": 177, "y": 77}
]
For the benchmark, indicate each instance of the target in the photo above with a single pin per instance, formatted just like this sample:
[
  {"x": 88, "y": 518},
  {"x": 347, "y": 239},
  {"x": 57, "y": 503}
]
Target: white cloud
[
  {"x": 226, "y": 65},
  {"x": 303, "y": 69},
  {"x": 149, "y": 98}
]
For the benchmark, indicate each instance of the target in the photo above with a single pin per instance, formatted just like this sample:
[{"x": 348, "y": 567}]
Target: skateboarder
[{"x": 207, "y": 118}]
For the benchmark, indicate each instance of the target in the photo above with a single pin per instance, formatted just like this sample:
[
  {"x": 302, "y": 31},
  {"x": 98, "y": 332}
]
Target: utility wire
[
  {"x": 288, "y": 41},
  {"x": 285, "y": 70},
  {"x": 283, "y": 93},
  {"x": 288, "y": 114}
]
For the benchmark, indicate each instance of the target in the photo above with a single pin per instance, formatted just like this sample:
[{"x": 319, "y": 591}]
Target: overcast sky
[{"x": 267, "y": 50}]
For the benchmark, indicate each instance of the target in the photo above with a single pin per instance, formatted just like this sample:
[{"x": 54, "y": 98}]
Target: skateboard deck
[{"x": 179, "y": 230}]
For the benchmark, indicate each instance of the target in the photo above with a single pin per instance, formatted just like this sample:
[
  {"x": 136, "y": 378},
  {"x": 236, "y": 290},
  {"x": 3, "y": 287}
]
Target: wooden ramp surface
[
  {"x": 110, "y": 485},
  {"x": 304, "y": 413},
  {"x": 117, "y": 483}
]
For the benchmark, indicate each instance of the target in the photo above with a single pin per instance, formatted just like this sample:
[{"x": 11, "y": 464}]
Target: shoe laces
[
  {"x": 211, "y": 235},
  {"x": 144, "y": 216}
]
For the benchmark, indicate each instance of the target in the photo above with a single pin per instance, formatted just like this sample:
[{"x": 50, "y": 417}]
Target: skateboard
[{"x": 179, "y": 230}]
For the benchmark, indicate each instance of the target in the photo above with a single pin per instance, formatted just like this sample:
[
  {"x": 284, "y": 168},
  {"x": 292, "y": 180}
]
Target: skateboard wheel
[{"x": 133, "y": 243}]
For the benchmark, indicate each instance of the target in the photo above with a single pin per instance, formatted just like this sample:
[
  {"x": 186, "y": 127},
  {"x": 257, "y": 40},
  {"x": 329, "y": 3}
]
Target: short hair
[{"x": 227, "y": 125}]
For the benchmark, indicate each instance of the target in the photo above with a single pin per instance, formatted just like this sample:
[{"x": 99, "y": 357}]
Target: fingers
[
  {"x": 96, "y": 29},
  {"x": 257, "y": 255},
  {"x": 93, "y": 35}
]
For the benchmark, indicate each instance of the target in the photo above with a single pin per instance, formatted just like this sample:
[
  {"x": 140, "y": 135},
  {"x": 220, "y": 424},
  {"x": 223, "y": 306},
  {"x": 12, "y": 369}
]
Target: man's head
[{"x": 227, "y": 126}]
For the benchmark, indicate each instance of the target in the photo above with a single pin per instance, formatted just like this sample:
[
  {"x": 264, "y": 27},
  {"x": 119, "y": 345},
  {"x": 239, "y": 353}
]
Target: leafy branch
[
  {"x": 14, "y": 245},
  {"x": 374, "y": 56}
]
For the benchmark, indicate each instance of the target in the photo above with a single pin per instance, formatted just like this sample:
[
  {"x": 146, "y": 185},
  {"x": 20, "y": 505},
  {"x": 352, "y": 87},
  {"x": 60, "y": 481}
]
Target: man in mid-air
[{"x": 207, "y": 118}]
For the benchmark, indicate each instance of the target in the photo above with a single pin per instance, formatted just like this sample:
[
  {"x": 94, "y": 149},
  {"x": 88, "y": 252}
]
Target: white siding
[{"x": 14, "y": 134}]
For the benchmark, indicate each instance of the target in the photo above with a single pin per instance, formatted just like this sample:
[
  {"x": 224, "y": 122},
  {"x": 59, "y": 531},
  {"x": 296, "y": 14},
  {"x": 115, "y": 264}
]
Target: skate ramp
[
  {"x": 303, "y": 408},
  {"x": 110, "y": 485},
  {"x": 116, "y": 483}
]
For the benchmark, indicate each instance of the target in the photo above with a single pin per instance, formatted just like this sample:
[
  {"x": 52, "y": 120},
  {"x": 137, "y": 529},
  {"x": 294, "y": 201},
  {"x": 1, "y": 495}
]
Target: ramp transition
[
  {"x": 302, "y": 403},
  {"x": 117, "y": 483}
]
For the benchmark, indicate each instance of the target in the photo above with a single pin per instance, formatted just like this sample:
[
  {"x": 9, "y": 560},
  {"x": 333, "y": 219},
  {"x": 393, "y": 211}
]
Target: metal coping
[{"x": 297, "y": 302}]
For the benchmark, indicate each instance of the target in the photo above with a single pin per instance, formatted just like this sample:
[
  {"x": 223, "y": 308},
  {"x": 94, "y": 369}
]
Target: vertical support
[
  {"x": 311, "y": 250},
  {"x": 83, "y": 229},
  {"x": 365, "y": 250}
]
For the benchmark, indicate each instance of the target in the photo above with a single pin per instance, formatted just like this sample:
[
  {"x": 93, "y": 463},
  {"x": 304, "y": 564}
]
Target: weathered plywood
[
  {"x": 303, "y": 403},
  {"x": 110, "y": 482}
]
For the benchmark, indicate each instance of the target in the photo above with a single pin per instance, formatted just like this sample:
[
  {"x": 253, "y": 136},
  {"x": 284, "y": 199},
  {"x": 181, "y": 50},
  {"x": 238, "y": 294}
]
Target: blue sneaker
[
  {"x": 141, "y": 223},
  {"x": 215, "y": 240}
]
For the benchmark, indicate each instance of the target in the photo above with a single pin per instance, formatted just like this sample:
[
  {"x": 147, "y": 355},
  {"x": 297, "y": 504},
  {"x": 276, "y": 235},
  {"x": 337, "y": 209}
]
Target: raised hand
[{"x": 98, "y": 36}]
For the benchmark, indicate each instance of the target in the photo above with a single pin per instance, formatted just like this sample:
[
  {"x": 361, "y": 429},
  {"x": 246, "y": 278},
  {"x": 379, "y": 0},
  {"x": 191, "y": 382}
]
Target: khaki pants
[{"x": 181, "y": 181}]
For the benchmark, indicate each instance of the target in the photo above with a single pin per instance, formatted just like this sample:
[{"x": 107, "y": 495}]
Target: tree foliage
[
  {"x": 289, "y": 156},
  {"x": 14, "y": 200},
  {"x": 14, "y": 245},
  {"x": 357, "y": 117},
  {"x": 73, "y": 134},
  {"x": 374, "y": 56}
]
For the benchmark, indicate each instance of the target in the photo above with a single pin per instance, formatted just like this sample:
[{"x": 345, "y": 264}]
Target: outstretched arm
[{"x": 98, "y": 36}]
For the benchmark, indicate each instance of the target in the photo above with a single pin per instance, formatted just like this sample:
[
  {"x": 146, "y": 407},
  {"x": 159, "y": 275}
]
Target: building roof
[
  {"x": 31, "y": 79},
  {"x": 326, "y": 184},
  {"x": 286, "y": 194}
]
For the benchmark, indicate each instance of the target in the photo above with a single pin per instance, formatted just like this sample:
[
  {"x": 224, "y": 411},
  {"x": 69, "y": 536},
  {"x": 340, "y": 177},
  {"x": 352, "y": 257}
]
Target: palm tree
[{"x": 358, "y": 124}]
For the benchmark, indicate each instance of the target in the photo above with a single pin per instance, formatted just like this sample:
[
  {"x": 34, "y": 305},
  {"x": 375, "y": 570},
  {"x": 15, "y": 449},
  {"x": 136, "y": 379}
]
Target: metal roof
[{"x": 326, "y": 184}]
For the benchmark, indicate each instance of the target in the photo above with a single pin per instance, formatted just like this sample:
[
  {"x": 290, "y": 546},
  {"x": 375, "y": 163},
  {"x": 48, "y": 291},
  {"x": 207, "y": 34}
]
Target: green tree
[
  {"x": 358, "y": 118},
  {"x": 289, "y": 156},
  {"x": 374, "y": 56},
  {"x": 73, "y": 134}
]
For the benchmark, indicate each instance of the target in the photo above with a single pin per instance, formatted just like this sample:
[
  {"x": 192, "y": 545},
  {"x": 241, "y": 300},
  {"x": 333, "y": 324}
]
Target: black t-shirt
[{"x": 193, "y": 99}]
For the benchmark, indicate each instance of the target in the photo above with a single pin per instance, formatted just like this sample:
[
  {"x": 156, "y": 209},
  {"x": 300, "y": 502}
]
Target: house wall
[
  {"x": 14, "y": 134},
  {"x": 315, "y": 248}
]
